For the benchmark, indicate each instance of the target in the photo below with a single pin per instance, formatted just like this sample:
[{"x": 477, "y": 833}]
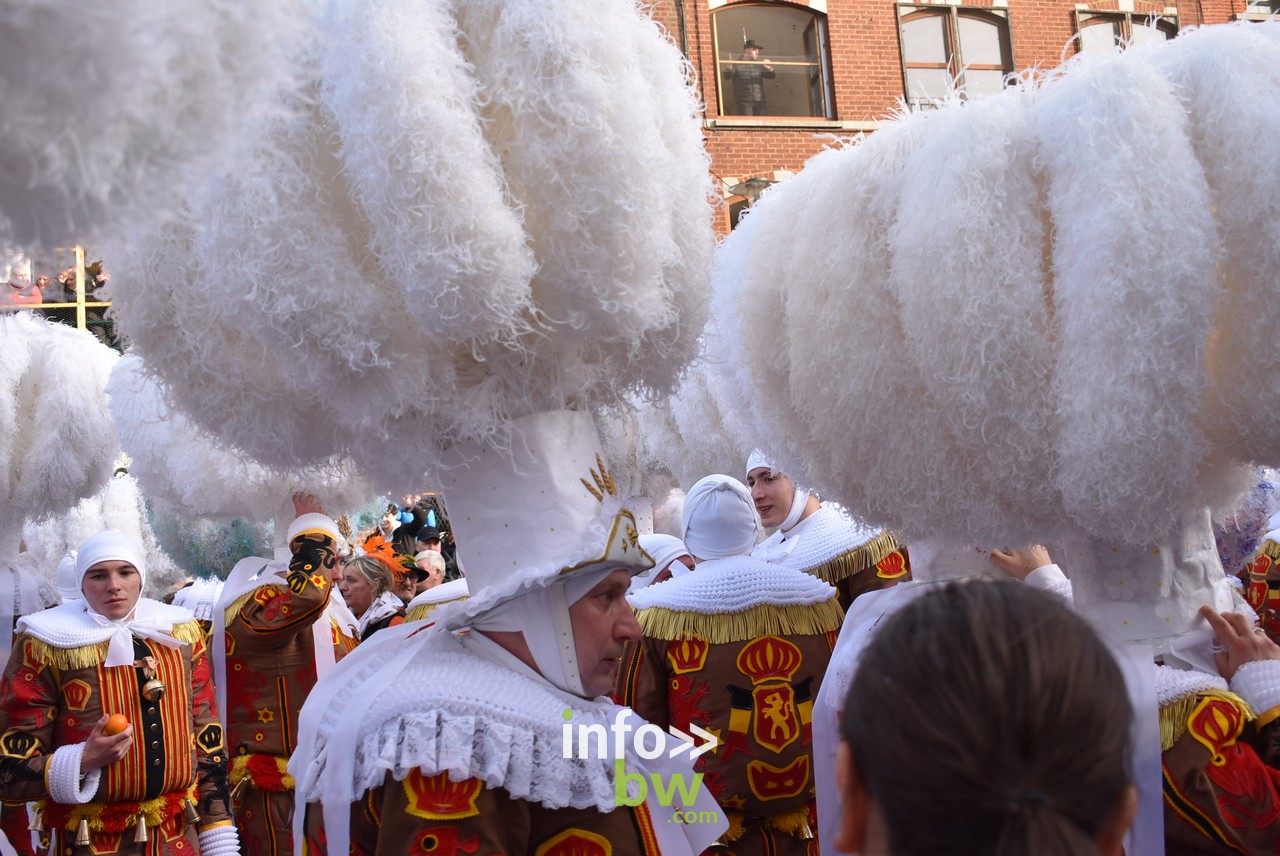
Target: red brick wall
[{"x": 866, "y": 68}]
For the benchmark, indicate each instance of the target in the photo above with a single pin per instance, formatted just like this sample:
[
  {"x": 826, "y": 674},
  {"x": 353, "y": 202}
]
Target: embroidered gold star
[{"x": 266, "y": 714}]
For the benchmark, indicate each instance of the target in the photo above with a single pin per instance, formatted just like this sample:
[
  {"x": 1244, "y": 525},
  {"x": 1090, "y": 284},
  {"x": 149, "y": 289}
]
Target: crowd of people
[{"x": 844, "y": 689}]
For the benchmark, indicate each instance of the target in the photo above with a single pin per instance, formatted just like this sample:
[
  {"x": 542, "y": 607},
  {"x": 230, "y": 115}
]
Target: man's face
[
  {"x": 751, "y": 53},
  {"x": 603, "y": 624},
  {"x": 772, "y": 493},
  {"x": 112, "y": 588}
]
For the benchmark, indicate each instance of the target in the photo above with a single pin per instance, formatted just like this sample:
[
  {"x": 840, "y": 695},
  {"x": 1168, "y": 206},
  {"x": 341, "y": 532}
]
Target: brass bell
[
  {"x": 37, "y": 819},
  {"x": 238, "y": 789},
  {"x": 189, "y": 811},
  {"x": 153, "y": 690},
  {"x": 805, "y": 833},
  {"x": 140, "y": 835},
  {"x": 82, "y": 833}
]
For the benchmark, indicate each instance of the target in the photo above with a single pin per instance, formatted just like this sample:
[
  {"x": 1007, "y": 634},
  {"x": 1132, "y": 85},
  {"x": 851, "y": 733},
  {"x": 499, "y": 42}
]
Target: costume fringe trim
[
  {"x": 1174, "y": 714},
  {"x": 420, "y": 611},
  {"x": 752, "y": 623},
  {"x": 117, "y": 816},
  {"x": 89, "y": 656},
  {"x": 233, "y": 609},
  {"x": 855, "y": 561},
  {"x": 791, "y": 823},
  {"x": 264, "y": 772},
  {"x": 1270, "y": 549}
]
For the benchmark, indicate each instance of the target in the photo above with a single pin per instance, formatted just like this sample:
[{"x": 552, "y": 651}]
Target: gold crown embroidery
[{"x": 604, "y": 482}]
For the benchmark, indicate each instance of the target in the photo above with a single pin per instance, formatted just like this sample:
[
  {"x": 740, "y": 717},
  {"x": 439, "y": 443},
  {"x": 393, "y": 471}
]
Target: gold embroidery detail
[{"x": 604, "y": 481}]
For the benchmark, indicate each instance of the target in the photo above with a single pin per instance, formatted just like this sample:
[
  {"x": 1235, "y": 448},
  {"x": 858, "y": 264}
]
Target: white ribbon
[{"x": 142, "y": 622}]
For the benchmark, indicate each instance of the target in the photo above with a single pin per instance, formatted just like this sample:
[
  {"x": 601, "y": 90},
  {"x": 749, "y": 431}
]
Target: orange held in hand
[{"x": 115, "y": 724}]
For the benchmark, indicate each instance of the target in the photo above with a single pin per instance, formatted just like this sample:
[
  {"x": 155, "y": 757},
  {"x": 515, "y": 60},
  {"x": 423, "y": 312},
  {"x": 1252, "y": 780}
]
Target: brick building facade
[{"x": 829, "y": 68}]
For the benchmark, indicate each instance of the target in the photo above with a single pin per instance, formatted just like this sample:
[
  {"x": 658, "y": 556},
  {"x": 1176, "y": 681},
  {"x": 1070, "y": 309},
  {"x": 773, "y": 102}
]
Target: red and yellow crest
[
  {"x": 687, "y": 655},
  {"x": 769, "y": 658},
  {"x": 1216, "y": 723},
  {"x": 775, "y": 783},
  {"x": 575, "y": 842},
  {"x": 892, "y": 567},
  {"x": 438, "y": 798},
  {"x": 76, "y": 694},
  {"x": 775, "y": 724}
]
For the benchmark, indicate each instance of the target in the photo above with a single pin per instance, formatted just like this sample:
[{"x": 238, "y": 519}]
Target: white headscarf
[
  {"x": 757, "y": 460},
  {"x": 665, "y": 550},
  {"x": 143, "y": 621},
  {"x": 542, "y": 616},
  {"x": 67, "y": 579},
  {"x": 720, "y": 520}
]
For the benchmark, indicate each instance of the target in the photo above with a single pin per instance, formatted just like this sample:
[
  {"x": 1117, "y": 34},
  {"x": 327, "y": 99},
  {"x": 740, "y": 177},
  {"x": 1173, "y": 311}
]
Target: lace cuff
[
  {"x": 221, "y": 840},
  {"x": 1258, "y": 683},
  {"x": 66, "y": 785}
]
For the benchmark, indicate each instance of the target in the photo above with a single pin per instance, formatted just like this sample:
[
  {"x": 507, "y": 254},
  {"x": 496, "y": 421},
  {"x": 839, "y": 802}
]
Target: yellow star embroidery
[
  {"x": 265, "y": 714},
  {"x": 317, "y": 580}
]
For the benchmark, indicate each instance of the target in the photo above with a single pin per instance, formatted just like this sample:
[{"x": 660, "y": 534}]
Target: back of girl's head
[{"x": 988, "y": 718}]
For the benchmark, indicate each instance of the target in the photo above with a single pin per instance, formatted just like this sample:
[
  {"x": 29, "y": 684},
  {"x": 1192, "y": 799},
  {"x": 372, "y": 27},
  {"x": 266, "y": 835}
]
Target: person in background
[
  {"x": 748, "y": 78},
  {"x": 158, "y": 785},
  {"x": 929, "y": 765},
  {"x": 368, "y": 585},
  {"x": 281, "y": 627}
]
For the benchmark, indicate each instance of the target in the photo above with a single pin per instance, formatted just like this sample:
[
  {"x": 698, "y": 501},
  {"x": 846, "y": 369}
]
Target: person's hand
[
  {"x": 1019, "y": 563},
  {"x": 101, "y": 750},
  {"x": 1244, "y": 642},
  {"x": 306, "y": 503}
]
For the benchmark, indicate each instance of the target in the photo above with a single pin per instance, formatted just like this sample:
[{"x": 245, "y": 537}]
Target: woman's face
[
  {"x": 773, "y": 494},
  {"x": 356, "y": 590},
  {"x": 112, "y": 588}
]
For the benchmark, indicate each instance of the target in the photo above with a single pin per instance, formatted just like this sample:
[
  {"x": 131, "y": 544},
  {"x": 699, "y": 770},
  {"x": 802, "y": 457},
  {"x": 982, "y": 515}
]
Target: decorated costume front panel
[
  {"x": 1221, "y": 771},
  {"x": 270, "y": 647},
  {"x": 756, "y": 696},
  {"x": 432, "y": 814},
  {"x": 178, "y": 756}
]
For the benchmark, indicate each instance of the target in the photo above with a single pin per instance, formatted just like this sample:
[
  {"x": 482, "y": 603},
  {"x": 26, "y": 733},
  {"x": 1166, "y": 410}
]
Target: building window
[
  {"x": 771, "y": 61},
  {"x": 965, "y": 47},
  {"x": 1108, "y": 32}
]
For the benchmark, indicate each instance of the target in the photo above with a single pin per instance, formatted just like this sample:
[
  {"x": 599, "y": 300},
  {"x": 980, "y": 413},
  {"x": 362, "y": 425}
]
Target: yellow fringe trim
[
  {"x": 89, "y": 656},
  {"x": 240, "y": 770},
  {"x": 856, "y": 560},
  {"x": 792, "y": 823},
  {"x": 422, "y": 610},
  {"x": 238, "y": 604},
  {"x": 1270, "y": 549},
  {"x": 1174, "y": 715},
  {"x": 153, "y": 810},
  {"x": 722, "y": 628},
  {"x": 736, "y": 828}
]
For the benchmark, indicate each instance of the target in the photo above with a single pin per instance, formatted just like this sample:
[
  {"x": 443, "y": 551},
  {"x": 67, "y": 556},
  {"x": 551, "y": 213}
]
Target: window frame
[
  {"x": 1166, "y": 22},
  {"x": 955, "y": 64},
  {"x": 823, "y": 63}
]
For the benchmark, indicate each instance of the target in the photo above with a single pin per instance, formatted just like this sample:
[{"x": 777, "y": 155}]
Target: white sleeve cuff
[
  {"x": 66, "y": 785},
  {"x": 1258, "y": 683},
  {"x": 220, "y": 841},
  {"x": 312, "y": 520},
  {"x": 1051, "y": 578}
]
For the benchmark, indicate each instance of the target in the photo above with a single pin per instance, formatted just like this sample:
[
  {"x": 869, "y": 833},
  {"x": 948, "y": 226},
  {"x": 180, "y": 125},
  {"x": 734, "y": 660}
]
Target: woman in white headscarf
[{"x": 110, "y": 720}]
